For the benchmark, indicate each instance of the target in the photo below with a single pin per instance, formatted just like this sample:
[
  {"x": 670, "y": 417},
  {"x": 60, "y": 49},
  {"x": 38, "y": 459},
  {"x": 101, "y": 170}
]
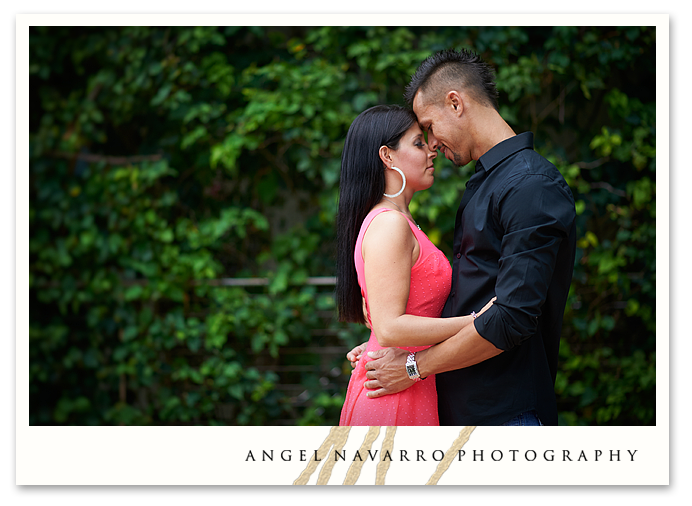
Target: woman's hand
[
  {"x": 487, "y": 306},
  {"x": 356, "y": 353}
]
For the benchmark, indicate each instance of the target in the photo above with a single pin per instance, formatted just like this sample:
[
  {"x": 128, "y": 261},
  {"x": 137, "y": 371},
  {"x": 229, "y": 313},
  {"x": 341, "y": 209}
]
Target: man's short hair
[{"x": 451, "y": 69}]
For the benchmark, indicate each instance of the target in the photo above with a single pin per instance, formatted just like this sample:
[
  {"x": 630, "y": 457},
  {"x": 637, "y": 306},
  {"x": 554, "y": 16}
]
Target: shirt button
[{"x": 458, "y": 255}]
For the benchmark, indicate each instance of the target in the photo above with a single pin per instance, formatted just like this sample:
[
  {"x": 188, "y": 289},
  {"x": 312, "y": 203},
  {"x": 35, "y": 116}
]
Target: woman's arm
[{"x": 390, "y": 250}]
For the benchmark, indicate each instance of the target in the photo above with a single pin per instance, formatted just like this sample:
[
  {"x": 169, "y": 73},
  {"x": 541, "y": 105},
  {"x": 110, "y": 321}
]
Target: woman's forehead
[{"x": 414, "y": 130}]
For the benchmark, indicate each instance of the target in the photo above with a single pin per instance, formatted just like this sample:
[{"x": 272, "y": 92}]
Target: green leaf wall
[{"x": 165, "y": 157}]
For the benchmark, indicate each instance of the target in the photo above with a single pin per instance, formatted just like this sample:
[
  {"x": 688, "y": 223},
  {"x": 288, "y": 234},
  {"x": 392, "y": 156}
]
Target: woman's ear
[{"x": 386, "y": 155}]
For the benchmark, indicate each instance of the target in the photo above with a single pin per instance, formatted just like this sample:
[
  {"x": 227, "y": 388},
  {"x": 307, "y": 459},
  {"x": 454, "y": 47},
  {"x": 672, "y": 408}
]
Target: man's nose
[{"x": 433, "y": 143}]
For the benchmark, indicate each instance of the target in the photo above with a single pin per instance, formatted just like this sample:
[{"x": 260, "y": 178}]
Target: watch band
[{"x": 412, "y": 367}]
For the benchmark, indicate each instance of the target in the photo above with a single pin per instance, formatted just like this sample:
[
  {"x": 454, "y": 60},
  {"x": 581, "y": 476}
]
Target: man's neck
[{"x": 490, "y": 130}]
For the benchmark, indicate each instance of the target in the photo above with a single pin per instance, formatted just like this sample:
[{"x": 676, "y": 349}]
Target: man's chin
[
  {"x": 456, "y": 160},
  {"x": 453, "y": 157}
]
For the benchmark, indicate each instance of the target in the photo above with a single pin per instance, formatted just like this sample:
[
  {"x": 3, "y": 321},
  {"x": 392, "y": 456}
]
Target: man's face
[{"x": 442, "y": 129}]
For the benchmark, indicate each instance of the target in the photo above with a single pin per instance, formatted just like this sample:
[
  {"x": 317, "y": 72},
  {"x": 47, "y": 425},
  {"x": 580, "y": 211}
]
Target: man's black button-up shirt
[{"x": 515, "y": 238}]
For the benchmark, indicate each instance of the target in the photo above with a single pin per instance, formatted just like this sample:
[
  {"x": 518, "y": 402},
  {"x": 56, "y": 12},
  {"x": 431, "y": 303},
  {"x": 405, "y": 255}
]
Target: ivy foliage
[{"x": 165, "y": 158}]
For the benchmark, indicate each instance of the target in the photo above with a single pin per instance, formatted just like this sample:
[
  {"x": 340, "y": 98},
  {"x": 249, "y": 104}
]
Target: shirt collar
[{"x": 504, "y": 149}]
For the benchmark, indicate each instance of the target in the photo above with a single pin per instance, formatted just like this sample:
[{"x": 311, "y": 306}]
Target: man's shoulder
[
  {"x": 527, "y": 167},
  {"x": 530, "y": 174},
  {"x": 531, "y": 162}
]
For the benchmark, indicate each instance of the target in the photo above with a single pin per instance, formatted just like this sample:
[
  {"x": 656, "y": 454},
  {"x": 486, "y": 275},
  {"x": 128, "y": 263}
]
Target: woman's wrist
[{"x": 470, "y": 318}]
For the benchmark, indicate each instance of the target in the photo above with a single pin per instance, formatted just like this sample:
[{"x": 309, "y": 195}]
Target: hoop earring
[{"x": 402, "y": 186}]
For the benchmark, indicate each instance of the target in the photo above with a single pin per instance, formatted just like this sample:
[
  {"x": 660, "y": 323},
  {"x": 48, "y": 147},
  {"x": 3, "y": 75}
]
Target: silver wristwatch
[{"x": 412, "y": 367}]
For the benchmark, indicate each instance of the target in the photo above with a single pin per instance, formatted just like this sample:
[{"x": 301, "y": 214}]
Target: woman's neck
[{"x": 399, "y": 202}]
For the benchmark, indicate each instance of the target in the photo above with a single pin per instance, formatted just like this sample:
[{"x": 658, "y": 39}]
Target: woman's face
[{"x": 415, "y": 159}]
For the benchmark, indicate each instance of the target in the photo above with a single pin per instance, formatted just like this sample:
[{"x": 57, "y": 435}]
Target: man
[{"x": 514, "y": 239}]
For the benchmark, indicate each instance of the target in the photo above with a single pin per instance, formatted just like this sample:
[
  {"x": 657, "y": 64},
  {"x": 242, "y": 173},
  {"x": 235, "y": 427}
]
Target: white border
[{"x": 82, "y": 455}]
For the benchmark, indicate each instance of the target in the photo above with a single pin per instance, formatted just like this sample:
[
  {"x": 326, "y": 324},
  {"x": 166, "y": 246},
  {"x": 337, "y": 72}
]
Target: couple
[{"x": 492, "y": 357}]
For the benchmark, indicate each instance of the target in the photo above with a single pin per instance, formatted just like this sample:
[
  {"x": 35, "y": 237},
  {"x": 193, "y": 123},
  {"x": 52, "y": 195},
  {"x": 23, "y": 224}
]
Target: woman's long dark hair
[{"x": 361, "y": 186}]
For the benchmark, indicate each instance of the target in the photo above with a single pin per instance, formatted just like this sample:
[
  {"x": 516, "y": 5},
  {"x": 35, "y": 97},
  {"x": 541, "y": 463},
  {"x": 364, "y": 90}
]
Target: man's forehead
[
  {"x": 424, "y": 118},
  {"x": 422, "y": 107},
  {"x": 418, "y": 100},
  {"x": 419, "y": 108}
]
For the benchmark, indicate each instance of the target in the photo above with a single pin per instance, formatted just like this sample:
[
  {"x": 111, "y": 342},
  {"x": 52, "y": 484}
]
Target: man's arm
[
  {"x": 534, "y": 228},
  {"x": 388, "y": 376},
  {"x": 465, "y": 349}
]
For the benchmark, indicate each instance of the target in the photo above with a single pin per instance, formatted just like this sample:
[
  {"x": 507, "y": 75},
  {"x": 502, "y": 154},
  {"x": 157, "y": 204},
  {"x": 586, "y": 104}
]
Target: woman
[{"x": 387, "y": 261}]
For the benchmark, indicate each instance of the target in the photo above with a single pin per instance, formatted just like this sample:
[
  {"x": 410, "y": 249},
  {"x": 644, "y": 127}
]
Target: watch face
[{"x": 411, "y": 371}]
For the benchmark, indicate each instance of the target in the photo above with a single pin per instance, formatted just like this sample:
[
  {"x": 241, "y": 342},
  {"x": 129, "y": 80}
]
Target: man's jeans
[{"x": 525, "y": 418}]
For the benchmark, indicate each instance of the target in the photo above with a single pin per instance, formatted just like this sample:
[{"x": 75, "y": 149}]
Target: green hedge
[{"x": 162, "y": 158}]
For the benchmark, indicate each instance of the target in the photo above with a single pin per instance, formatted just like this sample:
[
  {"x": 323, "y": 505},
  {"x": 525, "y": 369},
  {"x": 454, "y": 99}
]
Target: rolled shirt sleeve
[{"x": 535, "y": 213}]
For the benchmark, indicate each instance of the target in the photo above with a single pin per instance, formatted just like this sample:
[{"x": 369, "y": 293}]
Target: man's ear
[
  {"x": 386, "y": 155},
  {"x": 455, "y": 101}
]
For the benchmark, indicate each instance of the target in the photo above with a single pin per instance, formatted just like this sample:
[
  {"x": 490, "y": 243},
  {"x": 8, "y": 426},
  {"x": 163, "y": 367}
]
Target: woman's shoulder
[
  {"x": 389, "y": 219},
  {"x": 389, "y": 230}
]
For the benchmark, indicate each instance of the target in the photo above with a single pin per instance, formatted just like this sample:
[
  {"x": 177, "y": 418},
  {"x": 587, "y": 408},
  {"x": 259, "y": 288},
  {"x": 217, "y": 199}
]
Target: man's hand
[
  {"x": 387, "y": 372},
  {"x": 356, "y": 353}
]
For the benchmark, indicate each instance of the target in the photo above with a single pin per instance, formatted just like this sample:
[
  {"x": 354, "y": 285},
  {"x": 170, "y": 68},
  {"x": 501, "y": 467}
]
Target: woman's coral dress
[{"x": 430, "y": 284}]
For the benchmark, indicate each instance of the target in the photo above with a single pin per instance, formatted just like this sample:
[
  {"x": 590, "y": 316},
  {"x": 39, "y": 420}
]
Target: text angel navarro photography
[{"x": 549, "y": 455}]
